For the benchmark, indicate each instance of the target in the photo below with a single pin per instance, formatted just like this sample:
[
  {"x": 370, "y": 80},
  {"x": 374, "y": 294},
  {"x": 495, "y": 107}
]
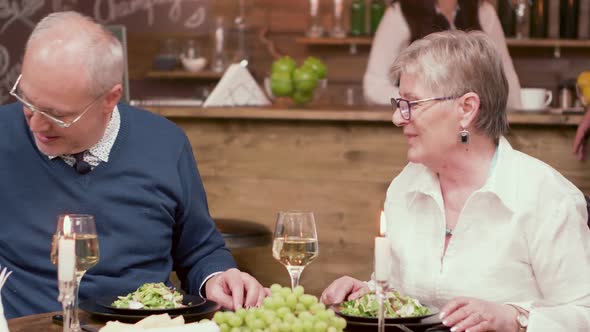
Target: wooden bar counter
[{"x": 335, "y": 161}]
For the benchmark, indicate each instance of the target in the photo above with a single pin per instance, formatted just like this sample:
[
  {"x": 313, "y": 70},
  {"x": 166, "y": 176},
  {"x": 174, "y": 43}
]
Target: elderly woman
[{"x": 493, "y": 237}]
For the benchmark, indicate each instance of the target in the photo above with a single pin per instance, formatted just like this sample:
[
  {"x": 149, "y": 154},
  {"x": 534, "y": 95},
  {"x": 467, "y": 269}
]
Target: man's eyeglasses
[
  {"x": 405, "y": 106},
  {"x": 47, "y": 113}
]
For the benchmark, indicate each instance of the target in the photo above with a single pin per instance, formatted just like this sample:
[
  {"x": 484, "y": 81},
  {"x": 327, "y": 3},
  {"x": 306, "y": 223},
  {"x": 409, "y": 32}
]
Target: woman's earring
[{"x": 464, "y": 136}]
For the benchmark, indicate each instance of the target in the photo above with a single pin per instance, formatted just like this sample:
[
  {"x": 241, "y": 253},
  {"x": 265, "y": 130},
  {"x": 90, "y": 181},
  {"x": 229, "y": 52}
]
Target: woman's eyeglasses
[{"x": 405, "y": 106}]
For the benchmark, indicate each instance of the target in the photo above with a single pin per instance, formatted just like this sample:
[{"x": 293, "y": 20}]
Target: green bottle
[
  {"x": 357, "y": 17},
  {"x": 376, "y": 11}
]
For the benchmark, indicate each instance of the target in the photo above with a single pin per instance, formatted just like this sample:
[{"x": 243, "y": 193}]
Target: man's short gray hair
[
  {"x": 103, "y": 57},
  {"x": 456, "y": 62}
]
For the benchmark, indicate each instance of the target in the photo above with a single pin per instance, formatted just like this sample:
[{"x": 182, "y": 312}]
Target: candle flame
[
  {"x": 67, "y": 227},
  {"x": 382, "y": 224}
]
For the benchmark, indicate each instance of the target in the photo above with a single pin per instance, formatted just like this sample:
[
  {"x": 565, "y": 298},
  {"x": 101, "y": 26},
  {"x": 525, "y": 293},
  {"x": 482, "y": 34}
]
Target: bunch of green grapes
[{"x": 283, "y": 311}]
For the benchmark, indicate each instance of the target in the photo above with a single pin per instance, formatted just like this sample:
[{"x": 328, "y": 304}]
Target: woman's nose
[{"x": 397, "y": 119}]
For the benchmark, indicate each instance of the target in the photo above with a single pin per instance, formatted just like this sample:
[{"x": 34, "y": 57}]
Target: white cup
[{"x": 535, "y": 99}]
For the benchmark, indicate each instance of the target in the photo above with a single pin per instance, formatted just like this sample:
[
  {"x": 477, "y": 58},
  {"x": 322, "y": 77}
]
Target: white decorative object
[
  {"x": 237, "y": 87},
  {"x": 4, "y": 274},
  {"x": 193, "y": 64},
  {"x": 66, "y": 259},
  {"x": 382, "y": 258}
]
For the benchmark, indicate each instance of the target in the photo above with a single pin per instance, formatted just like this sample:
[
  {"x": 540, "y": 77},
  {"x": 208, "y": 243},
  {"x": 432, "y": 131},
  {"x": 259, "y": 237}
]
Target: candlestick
[
  {"x": 381, "y": 290},
  {"x": 315, "y": 29},
  {"x": 337, "y": 25},
  {"x": 338, "y": 7}
]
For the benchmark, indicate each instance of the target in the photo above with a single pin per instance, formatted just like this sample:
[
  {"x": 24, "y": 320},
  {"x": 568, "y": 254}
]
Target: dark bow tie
[{"x": 80, "y": 165}]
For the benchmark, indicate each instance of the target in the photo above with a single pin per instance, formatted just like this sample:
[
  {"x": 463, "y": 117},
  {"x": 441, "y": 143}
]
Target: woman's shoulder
[{"x": 537, "y": 177}]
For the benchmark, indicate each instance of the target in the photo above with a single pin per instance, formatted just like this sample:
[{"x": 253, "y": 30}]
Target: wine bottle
[
  {"x": 568, "y": 18},
  {"x": 357, "y": 17},
  {"x": 377, "y": 9},
  {"x": 507, "y": 15},
  {"x": 539, "y": 18}
]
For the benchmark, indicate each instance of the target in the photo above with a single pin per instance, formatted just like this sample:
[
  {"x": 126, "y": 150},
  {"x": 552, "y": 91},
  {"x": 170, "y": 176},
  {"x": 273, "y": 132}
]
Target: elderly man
[{"x": 67, "y": 146}]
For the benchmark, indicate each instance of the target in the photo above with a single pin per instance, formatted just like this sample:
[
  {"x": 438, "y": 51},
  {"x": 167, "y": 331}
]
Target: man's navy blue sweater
[{"x": 148, "y": 201}]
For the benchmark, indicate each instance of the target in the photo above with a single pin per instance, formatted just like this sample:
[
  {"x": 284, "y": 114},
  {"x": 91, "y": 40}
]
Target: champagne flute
[
  {"x": 295, "y": 242},
  {"x": 81, "y": 229}
]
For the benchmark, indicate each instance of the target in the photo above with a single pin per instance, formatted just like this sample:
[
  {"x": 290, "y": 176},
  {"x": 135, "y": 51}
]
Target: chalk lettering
[
  {"x": 4, "y": 59},
  {"x": 196, "y": 19},
  {"x": 7, "y": 81},
  {"x": 12, "y": 11},
  {"x": 108, "y": 11}
]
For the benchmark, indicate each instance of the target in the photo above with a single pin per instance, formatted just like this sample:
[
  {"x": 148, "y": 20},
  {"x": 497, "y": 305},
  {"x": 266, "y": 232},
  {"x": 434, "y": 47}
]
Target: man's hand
[
  {"x": 344, "y": 288},
  {"x": 234, "y": 289},
  {"x": 579, "y": 145},
  {"x": 473, "y": 315}
]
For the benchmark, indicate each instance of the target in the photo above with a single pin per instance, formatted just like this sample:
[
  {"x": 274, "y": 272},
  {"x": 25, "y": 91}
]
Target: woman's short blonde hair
[{"x": 455, "y": 62}]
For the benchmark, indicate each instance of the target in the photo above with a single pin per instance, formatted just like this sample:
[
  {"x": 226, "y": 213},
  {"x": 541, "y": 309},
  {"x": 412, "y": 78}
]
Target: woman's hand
[
  {"x": 579, "y": 145},
  {"x": 344, "y": 288},
  {"x": 473, "y": 315}
]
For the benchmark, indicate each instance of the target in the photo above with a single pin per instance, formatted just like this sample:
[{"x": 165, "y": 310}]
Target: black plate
[
  {"x": 190, "y": 301},
  {"x": 205, "y": 310},
  {"x": 420, "y": 326},
  {"x": 399, "y": 320}
]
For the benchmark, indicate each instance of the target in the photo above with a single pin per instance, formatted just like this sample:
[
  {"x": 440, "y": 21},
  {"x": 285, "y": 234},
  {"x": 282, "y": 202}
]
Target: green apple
[
  {"x": 302, "y": 97},
  {"x": 305, "y": 79},
  {"x": 281, "y": 84},
  {"x": 317, "y": 65},
  {"x": 284, "y": 64}
]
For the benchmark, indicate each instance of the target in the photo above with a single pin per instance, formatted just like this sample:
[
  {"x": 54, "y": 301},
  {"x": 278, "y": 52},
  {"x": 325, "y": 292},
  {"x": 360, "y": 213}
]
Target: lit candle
[
  {"x": 382, "y": 252},
  {"x": 382, "y": 224},
  {"x": 66, "y": 253}
]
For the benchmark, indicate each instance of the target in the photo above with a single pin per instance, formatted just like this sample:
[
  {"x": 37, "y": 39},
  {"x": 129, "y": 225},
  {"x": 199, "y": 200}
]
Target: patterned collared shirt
[{"x": 99, "y": 152}]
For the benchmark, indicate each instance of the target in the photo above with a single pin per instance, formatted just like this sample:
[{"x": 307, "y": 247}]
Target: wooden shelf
[
  {"x": 176, "y": 74},
  {"x": 513, "y": 42},
  {"x": 335, "y": 41}
]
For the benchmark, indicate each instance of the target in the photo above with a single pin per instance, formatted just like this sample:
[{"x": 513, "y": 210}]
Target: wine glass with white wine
[
  {"x": 81, "y": 229},
  {"x": 295, "y": 242}
]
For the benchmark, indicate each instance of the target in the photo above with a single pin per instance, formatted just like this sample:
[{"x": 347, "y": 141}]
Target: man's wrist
[{"x": 203, "y": 287}]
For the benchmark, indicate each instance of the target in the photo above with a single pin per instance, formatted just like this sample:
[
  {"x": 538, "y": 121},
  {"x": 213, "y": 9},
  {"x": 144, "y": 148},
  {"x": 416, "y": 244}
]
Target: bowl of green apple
[{"x": 291, "y": 85}]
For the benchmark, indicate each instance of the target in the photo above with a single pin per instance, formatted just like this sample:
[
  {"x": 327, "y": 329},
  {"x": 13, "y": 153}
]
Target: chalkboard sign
[{"x": 18, "y": 18}]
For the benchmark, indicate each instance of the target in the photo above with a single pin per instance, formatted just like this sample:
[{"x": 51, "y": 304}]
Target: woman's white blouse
[{"x": 522, "y": 239}]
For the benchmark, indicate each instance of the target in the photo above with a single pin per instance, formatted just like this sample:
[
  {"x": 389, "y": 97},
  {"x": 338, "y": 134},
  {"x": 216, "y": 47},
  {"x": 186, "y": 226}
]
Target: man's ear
[
  {"x": 112, "y": 97},
  {"x": 469, "y": 106}
]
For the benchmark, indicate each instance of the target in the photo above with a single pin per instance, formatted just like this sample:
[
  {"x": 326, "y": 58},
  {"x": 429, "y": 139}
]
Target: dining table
[{"x": 44, "y": 322}]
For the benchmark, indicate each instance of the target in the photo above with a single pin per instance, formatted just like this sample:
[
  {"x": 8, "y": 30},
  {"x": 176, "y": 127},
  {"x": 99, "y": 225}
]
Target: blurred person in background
[
  {"x": 408, "y": 20},
  {"x": 69, "y": 146},
  {"x": 493, "y": 237},
  {"x": 581, "y": 138}
]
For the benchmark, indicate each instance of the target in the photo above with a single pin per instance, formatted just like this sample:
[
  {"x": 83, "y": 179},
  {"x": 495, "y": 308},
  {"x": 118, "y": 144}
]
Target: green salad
[
  {"x": 150, "y": 296},
  {"x": 396, "y": 306}
]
